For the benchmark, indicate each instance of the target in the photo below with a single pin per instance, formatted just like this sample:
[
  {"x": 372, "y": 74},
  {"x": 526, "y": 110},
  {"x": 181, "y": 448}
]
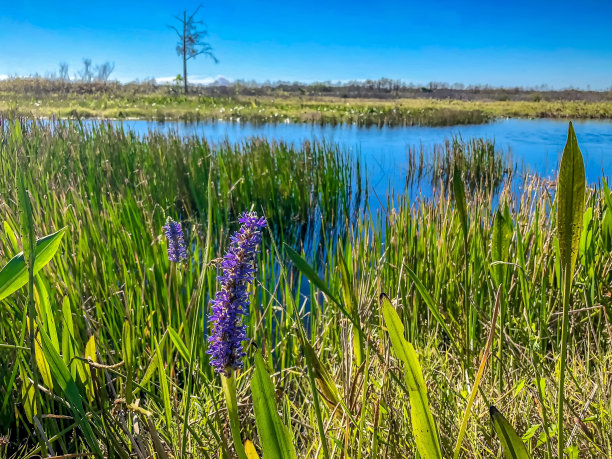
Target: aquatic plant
[
  {"x": 231, "y": 302},
  {"x": 177, "y": 251}
]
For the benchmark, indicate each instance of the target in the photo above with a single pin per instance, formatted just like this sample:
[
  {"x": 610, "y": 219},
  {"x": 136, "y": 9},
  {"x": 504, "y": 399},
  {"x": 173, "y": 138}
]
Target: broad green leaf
[
  {"x": 512, "y": 445},
  {"x": 423, "y": 425},
  {"x": 14, "y": 275},
  {"x": 275, "y": 437},
  {"x": 570, "y": 205},
  {"x": 67, "y": 385}
]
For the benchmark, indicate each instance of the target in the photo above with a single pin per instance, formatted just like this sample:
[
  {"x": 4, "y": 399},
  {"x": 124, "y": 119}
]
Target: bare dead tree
[
  {"x": 104, "y": 71},
  {"x": 86, "y": 74},
  {"x": 63, "y": 71},
  {"x": 192, "y": 34}
]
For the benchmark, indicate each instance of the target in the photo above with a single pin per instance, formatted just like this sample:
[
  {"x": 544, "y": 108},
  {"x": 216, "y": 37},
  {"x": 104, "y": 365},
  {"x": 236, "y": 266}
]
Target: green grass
[{"x": 111, "y": 286}]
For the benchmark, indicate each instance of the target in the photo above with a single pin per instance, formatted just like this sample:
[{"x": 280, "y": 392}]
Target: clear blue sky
[{"x": 526, "y": 43}]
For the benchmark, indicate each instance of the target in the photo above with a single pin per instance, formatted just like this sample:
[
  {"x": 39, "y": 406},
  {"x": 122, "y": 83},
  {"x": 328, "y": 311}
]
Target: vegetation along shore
[{"x": 318, "y": 104}]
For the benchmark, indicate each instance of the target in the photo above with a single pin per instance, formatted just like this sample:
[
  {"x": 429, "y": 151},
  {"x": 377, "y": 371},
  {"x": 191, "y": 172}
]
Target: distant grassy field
[{"x": 100, "y": 101}]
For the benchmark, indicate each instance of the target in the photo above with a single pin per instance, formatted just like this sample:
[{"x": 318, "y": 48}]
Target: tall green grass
[{"x": 131, "y": 329}]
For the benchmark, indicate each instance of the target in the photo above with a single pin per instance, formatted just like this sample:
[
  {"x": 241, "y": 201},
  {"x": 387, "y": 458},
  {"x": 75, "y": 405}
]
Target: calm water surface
[{"x": 536, "y": 143}]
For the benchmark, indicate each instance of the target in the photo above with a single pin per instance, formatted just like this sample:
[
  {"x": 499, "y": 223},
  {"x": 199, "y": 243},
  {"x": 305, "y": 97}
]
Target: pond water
[{"x": 537, "y": 144}]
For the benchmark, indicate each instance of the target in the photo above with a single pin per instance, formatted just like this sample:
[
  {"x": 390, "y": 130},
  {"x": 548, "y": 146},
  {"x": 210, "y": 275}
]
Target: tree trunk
[{"x": 185, "y": 50}]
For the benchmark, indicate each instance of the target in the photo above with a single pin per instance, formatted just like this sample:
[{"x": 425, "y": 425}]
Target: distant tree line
[{"x": 89, "y": 80}]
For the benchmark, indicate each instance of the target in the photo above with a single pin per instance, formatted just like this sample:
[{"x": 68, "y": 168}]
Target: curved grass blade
[
  {"x": 14, "y": 274},
  {"x": 512, "y": 445},
  {"x": 423, "y": 425},
  {"x": 275, "y": 437}
]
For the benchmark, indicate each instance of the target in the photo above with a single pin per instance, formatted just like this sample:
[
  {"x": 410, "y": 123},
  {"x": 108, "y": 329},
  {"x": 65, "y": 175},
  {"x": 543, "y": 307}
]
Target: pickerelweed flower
[
  {"x": 176, "y": 242},
  {"x": 232, "y": 300}
]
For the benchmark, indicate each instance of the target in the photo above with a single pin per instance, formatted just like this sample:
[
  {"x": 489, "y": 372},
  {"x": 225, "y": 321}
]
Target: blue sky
[{"x": 509, "y": 43}]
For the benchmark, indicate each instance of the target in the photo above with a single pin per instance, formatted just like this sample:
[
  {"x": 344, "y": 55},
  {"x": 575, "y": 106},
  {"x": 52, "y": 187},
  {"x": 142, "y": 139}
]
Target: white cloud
[
  {"x": 194, "y": 79},
  {"x": 3, "y": 77}
]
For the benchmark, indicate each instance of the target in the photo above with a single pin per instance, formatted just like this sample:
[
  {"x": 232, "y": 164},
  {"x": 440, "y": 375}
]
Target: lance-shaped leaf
[
  {"x": 275, "y": 437},
  {"x": 570, "y": 205},
  {"x": 423, "y": 425},
  {"x": 14, "y": 275},
  {"x": 512, "y": 445}
]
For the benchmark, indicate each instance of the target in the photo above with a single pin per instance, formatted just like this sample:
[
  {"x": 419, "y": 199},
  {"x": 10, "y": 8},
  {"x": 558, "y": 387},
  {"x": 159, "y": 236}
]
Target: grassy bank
[
  {"x": 111, "y": 279},
  {"x": 80, "y": 101}
]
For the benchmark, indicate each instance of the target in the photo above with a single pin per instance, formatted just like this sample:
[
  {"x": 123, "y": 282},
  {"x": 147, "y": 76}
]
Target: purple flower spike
[
  {"x": 232, "y": 300},
  {"x": 176, "y": 242}
]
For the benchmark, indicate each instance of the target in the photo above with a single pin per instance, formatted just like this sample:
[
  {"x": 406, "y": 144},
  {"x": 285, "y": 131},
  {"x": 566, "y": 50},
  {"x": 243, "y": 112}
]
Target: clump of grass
[{"x": 484, "y": 166}]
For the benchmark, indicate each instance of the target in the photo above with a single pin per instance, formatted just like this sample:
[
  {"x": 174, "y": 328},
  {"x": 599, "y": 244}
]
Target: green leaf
[
  {"x": 68, "y": 386},
  {"x": 14, "y": 275},
  {"x": 570, "y": 206},
  {"x": 512, "y": 445},
  {"x": 460, "y": 203},
  {"x": 163, "y": 384},
  {"x": 313, "y": 277},
  {"x": 90, "y": 353},
  {"x": 310, "y": 273},
  {"x": 326, "y": 383},
  {"x": 178, "y": 342},
  {"x": 433, "y": 307},
  {"x": 275, "y": 437},
  {"x": 500, "y": 244},
  {"x": 423, "y": 425}
]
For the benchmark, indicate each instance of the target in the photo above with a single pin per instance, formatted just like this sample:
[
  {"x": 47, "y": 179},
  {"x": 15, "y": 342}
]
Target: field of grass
[
  {"x": 106, "y": 350},
  {"x": 161, "y": 104}
]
